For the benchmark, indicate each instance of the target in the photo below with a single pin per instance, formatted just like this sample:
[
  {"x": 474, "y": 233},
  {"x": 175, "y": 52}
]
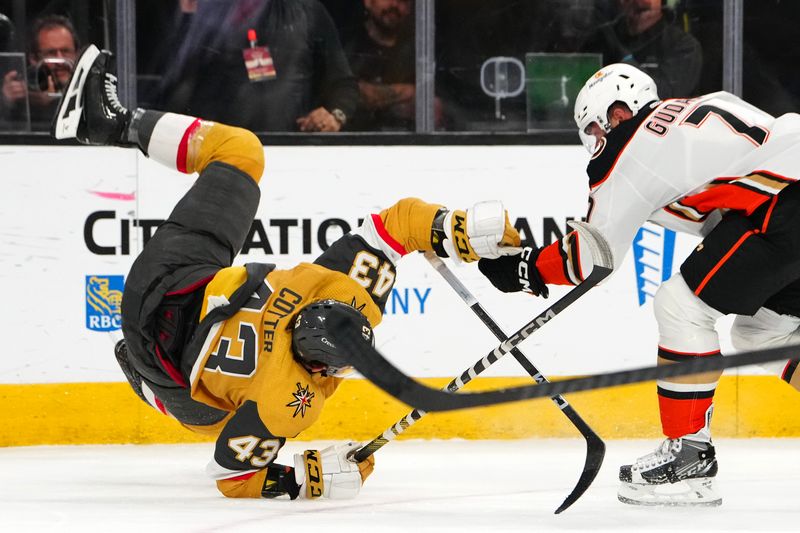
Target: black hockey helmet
[{"x": 313, "y": 343}]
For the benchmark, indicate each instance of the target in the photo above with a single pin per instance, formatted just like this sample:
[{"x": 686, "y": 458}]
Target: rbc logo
[{"x": 103, "y": 302}]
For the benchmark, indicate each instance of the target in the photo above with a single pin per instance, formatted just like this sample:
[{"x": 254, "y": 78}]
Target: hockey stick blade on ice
[
  {"x": 457, "y": 383},
  {"x": 603, "y": 265},
  {"x": 595, "y": 447},
  {"x": 383, "y": 374}
]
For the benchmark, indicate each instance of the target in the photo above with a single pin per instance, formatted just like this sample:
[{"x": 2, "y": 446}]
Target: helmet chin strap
[
  {"x": 339, "y": 372},
  {"x": 322, "y": 368},
  {"x": 314, "y": 367}
]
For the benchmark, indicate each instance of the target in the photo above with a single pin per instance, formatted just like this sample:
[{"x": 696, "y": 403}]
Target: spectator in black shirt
[
  {"x": 644, "y": 37},
  {"x": 310, "y": 89},
  {"x": 381, "y": 54}
]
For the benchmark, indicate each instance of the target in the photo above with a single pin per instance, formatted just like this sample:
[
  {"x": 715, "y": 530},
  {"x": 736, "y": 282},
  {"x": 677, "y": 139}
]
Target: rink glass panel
[
  {"x": 770, "y": 78},
  {"x": 26, "y": 118},
  {"x": 453, "y": 46}
]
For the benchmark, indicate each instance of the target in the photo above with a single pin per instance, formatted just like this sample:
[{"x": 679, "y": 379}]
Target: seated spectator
[
  {"x": 296, "y": 76},
  {"x": 382, "y": 55},
  {"x": 645, "y": 36},
  {"x": 53, "y": 49}
]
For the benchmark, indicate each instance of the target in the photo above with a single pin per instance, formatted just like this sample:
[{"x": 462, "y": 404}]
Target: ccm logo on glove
[
  {"x": 332, "y": 472},
  {"x": 514, "y": 273},
  {"x": 460, "y": 235},
  {"x": 522, "y": 269},
  {"x": 314, "y": 484}
]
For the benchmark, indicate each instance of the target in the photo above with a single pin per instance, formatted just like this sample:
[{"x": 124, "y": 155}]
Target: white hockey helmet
[{"x": 619, "y": 82}]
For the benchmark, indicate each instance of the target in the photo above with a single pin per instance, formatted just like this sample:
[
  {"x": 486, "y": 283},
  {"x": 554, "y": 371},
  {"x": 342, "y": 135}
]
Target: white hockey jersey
[{"x": 680, "y": 164}]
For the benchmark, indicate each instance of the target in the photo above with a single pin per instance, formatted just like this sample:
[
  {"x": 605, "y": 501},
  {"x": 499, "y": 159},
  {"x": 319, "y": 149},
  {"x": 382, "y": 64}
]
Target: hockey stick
[
  {"x": 383, "y": 374},
  {"x": 595, "y": 447},
  {"x": 541, "y": 319},
  {"x": 601, "y": 256}
]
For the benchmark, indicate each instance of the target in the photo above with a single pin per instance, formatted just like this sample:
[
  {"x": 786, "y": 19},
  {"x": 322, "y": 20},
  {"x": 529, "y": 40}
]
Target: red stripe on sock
[
  {"x": 160, "y": 406},
  {"x": 183, "y": 147},
  {"x": 785, "y": 369}
]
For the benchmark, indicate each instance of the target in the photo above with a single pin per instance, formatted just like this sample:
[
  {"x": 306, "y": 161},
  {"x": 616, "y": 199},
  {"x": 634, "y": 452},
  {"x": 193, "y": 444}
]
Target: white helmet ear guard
[{"x": 618, "y": 82}]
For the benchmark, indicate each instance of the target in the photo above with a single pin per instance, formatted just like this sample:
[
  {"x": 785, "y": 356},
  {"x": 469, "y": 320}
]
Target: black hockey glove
[
  {"x": 514, "y": 273},
  {"x": 280, "y": 481}
]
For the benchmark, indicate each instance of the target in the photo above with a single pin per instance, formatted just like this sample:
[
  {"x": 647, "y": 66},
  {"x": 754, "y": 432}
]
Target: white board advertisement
[{"x": 73, "y": 219}]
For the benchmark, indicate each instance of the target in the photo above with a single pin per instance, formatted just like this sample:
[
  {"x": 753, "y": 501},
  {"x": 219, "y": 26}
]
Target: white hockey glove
[
  {"x": 483, "y": 231},
  {"x": 332, "y": 472}
]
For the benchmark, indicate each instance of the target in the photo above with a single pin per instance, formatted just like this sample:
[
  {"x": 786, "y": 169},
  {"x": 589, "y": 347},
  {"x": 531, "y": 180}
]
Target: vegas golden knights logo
[{"x": 302, "y": 401}]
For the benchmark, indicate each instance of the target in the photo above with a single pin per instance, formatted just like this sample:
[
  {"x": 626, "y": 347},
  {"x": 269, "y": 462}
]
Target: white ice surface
[{"x": 417, "y": 486}]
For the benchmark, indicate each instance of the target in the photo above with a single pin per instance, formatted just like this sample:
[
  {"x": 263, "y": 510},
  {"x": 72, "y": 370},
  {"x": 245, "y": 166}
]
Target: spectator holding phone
[{"x": 53, "y": 49}]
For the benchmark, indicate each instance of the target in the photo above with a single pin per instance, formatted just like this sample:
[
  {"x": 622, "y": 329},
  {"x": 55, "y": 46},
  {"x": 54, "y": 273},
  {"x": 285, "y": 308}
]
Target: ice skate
[
  {"x": 681, "y": 472},
  {"x": 133, "y": 377},
  {"x": 90, "y": 110}
]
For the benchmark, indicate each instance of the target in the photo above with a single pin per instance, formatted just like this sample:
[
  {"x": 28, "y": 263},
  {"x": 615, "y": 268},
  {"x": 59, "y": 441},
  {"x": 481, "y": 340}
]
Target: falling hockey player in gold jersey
[{"x": 242, "y": 352}]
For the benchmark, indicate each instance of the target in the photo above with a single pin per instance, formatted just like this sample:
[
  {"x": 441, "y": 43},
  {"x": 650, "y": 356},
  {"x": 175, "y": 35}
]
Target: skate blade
[
  {"x": 65, "y": 125},
  {"x": 698, "y": 492}
]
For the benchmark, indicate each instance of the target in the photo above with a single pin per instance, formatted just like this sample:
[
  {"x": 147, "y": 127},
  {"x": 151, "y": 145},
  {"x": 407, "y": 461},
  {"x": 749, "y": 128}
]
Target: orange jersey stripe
[
  {"x": 726, "y": 196},
  {"x": 551, "y": 265},
  {"x": 722, "y": 262},
  {"x": 769, "y": 214}
]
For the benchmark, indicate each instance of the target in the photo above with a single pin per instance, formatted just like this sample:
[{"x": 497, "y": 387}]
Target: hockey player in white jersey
[{"x": 714, "y": 166}]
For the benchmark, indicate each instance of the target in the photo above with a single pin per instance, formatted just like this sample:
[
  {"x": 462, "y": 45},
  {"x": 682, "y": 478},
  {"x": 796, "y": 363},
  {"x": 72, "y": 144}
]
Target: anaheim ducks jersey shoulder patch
[{"x": 617, "y": 139}]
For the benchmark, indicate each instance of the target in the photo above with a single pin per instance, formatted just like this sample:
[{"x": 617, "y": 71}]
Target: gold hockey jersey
[{"x": 245, "y": 365}]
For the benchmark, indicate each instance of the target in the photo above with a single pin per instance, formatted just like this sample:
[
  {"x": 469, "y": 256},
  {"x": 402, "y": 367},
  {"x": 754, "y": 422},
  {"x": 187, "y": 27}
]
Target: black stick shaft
[
  {"x": 597, "y": 275},
  {"x": 595, "y": 447},
  {"x": 384, "y": 375}
]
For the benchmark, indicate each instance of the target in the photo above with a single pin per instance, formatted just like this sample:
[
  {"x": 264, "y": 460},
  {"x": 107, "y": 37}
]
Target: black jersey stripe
[
  {"x": 679, "y": 356},
  {"x": 693, "y": 395}
]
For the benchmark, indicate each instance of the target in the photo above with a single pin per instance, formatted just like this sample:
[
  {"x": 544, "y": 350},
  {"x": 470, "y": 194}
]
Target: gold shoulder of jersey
[
  {"x": 289, "y": 399},
  {"x": 226, "y": 281},
  {"x": 224, "y": 284},
  {"x": 315, "y": 282}
]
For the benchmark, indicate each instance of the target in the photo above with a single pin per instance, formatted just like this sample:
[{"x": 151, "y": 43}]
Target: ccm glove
[
  {"x": 514, "y": 273},
  {"x": 483, "y": 231},
  {"x": 332, "y": 472}
]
